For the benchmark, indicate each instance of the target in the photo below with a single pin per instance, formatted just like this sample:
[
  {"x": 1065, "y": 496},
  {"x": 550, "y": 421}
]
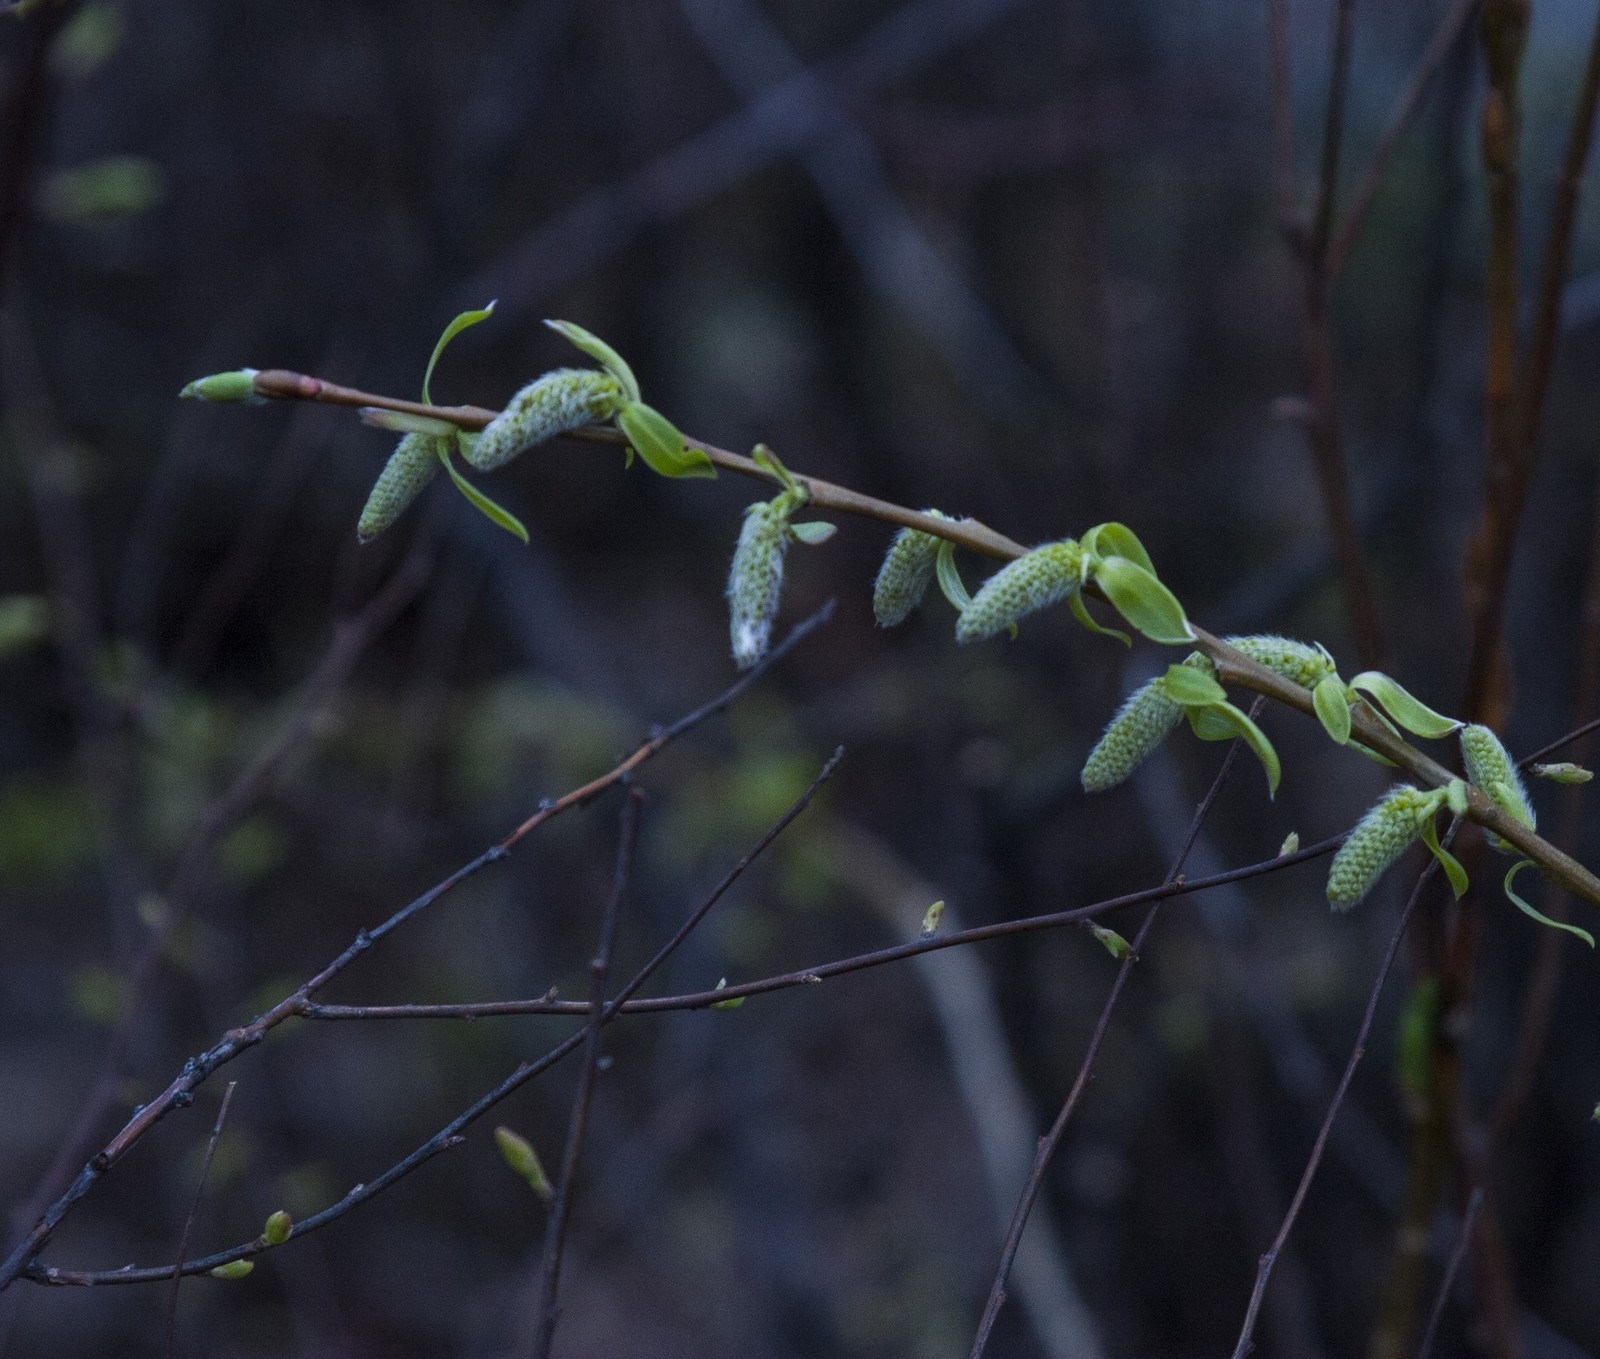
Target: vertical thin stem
[
  {"x": 188, "y": 1221},
  {"x": 560, "y": 1210},
  {"x": 1474, "y": 1205}
]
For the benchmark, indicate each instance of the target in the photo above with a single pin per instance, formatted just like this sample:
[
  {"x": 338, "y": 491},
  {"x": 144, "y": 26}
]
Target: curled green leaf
[
  {"x": 1117, "y": 540},
  {"x": 462, "y": 322},
  {"x": 1528, "y": 910},
  {"x": 496, "y": 514},
  {"x": 660, "y": 443},
  {"x": 1447, "y": 861},
  {"x": 1143, "y": 600},
  {"x": 1223, "y": 721},
  {"x": 1332, "y": 701},
  {"x": 599, "y": 350},
  {"x": 403, "y": 422},
  {"x": 949, "y": 576},
  {"x": 1409, "y": 712},
  {"x": 1080, "y": 611}
]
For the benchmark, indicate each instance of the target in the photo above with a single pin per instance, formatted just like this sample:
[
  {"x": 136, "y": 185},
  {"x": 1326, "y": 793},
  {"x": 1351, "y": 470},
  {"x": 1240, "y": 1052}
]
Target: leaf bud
[
  {"x": 1043, "y": 577},
  {"x": 413, "y": 464},
  {"x": 278, "y": 1228},
  {"x": 755, "y": 580},
  {"x": 236, "y": 386},
  {"x": 562, "y": 400},
  {"x": 931, "y": 919},
  {"x": 907, "y": 571},
  {"x": 1564, "y": 772},
  {"x": 732, "y": 1003},
  {"x": 1118, "y": 947},
  {"x": 519, "y": 1154},
  {"x": 234, "y": 1269},
  {"x": 1489, "y": 765},
  {"x": 1388, "y": 829},
  {"x": 1290, "y": 845}
]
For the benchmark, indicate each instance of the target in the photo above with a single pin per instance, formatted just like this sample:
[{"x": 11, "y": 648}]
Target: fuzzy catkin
[
  {"x": 1391, "y": 827},
  {"x": 1043, "y": 577},
  {"x": 547, "y": 406},
  {"x": 1490, "y": 766},
  {"x": 1131, "y": 737},
  {"x": 755, "y": 581},
  {"x": 905, "y": 575},
  {"x": 413, "y": 464},
  {"x": 1294, "y": 661}
]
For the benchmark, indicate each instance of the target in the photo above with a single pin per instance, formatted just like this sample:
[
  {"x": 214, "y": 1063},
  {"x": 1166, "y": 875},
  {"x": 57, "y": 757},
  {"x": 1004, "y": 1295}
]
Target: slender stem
[
  {"x": 555, "y": 1236},
  {"x": 1046, "y": 1150},
  {"x": 1468, "y": 1222},
  {"x": 1264, "y": 1270},
  {"x": 188, "y": 1221}
]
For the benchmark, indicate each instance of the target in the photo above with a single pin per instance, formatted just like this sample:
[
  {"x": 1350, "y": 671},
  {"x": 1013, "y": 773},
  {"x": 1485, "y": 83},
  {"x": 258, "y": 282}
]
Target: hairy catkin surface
[
  {"x": 1294, "y": 661},
  {"x": 1132, "y": 736},
  {"x": 1043, "y": 577},
  {"x": 549, "y": 405},
  {"x": 413, "y": 464},
  {"x": 755, "y": 581},
  {"x": 905, "y": 575},
  {"x": 1391, "y": 827},
  {"x": 1490, "y": 766}
]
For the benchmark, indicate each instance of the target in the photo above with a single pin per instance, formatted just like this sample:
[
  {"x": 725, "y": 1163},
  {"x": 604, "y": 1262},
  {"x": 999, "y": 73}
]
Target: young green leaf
[
  {"x": 768, "y": 462},
  {"x": 1208, "y": 726},
  {"x": 1081, "y": 612},
  {"x": 660, "y": 444},
  {"x": 1411, "y": 713},
  {"x": 1143, "y": 600},
  {"x": 1447, "y": 861},
  {"x": 1118, "y": 947},
  {"x": 1192, "y": 687},
  {"x": 1332, "y": 702},
  {"x": 598, "y": 349},
  {"x": 1240, "y": 725},
  {"x": 812, "y": 532},
  {"x": 1455, "y": 797},
  {"x": 949, "y": 577},
  {"x": 1117, "y": 540},
  {"x": 732, "y": 1003},
  {"x": 496, "y": 514},
  {"x": 462, "y": 322},
  {"x": 1543, "y": 919},
  {"x": 401, "y": 422}
]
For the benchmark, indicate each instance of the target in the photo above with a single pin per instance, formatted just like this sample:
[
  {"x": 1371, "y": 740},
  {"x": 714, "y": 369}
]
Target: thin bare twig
[
  {"x": 1281, "y": 66},
  {"x": 1444, "y": 38},
  {"x": 1048, "y": 1143},
  {"x": 1468, "y": 1221},
  {"x": 194, "y": 1208},
  {"x": 451, "y": 1134},
  {"x": 1264, "y": 1269},
  {"x": 237, "y": 1041},
  {"x": 555, "y": 1234}
]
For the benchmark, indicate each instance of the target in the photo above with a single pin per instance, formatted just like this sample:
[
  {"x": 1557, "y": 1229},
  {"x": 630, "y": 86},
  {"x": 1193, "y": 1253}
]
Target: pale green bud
[
  {"x": 519, "y": 1154},
  {"x": 235, "y": 386},
  {"x": 413, "y": 464},
  {"x": 1564, "y": 771},
  {"x": 905, "y": 575},
  {"x": 755, "y": 580},
  {"x": 1490, "y": 766},
  {"x": 1294, "y": 661},
  {"x": 553, "y": 404},
  {"x": 278, "y": 1229},
  {"x": 1043, "y": 577},
  {"x": 732, "y": 1003},
  {"x": 1290, "y": 845},
  {"x": 1391, "y": 827},
  {"x": 931, "y": 918},
  {"x": 234, "y": 1269},
  {"x": 1131, "y": 737}
]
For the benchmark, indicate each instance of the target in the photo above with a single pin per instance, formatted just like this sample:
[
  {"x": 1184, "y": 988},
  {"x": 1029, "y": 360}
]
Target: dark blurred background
[{"x": 1012, "y": 259}]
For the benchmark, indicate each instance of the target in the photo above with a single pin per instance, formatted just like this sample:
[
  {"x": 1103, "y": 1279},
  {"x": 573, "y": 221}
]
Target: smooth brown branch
[
  {"x": 980, "y": 538},
  {"x": 555, "y": 1235},
  {"x": 1052, "y": 1139},
  {"x": 179, "y": 1093},
  {"x": 1246, "y": 1342},
  {"x": 451, "y": 1135}
]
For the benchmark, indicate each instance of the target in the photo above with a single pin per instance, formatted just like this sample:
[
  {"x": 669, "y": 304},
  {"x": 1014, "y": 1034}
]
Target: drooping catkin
[
  {"x": 1391, "y": 827},
  {"x": 1131, "y": 737},
  {"x": 413, "y": 464},
  {"x": 1043, "y": 577},
  {"x": 549, "y": 405},
  {"x": 1490, "y": 766},
  {"x": 755, "y": 581},
  {"x": 1294, "y": 661},
  {"x": 905, "y": 575}
]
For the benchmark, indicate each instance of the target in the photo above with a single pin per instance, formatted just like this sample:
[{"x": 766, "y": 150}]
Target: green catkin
[
  {"x": 905, "y": 575},
  {"x": 413, "y": 464},
  {"x": 1131, "y": 737},
  {"x": 755, "y": 580},
  {"x": 1294, "y": 661},
  {"x": 1391, "y": 827},
  {"x": 553, "y": 404},
  {"x": 1043, "y": 577},
  {"x": 1490, "y": 766}
]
